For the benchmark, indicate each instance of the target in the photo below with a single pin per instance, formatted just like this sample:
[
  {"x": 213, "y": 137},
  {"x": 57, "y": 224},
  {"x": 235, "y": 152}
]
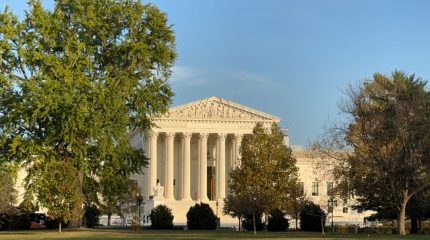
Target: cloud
[
  {"x": 189, "y": 75},
  {"x": 247, "y": 76}
]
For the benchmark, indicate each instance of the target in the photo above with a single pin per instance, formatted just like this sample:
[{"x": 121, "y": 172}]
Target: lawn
[{"x": 178, "y": 234}]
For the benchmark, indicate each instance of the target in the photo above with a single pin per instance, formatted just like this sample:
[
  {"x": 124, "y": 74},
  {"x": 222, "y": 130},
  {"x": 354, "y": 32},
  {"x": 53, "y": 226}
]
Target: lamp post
[
  {"x": 331, "y": 203},
  {"x": 139, "y": 199},
  {"x": 217, "y": 219}
]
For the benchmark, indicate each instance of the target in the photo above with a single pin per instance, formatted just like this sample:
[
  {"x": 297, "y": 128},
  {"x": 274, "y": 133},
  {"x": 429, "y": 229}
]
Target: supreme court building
[{"x": 193, "y": 148}]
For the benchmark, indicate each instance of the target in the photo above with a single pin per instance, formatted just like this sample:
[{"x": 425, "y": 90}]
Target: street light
[
  {"x": 331, "y": 204},
  {"x": 217, "y": 219},
  {"x": 139, "y": 200}
]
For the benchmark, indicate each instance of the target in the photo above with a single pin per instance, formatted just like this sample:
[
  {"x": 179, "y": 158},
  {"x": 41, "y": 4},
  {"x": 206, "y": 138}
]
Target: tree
[
  {"x": 296, "y": 203},
  {"x": 235, "y": 206},
  {"x": 56, "y": 189},
  {"x": 387, "y": 140},
  {"x": 114, "y": 190},
  {"x": 267, "y": 173},
  {"x": 76, "y": 80},
  {"x": 418, "y": 210}
]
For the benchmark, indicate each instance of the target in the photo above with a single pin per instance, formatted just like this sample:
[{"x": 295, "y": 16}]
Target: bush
[
  {"x": 310, "y": 217},
  {"x": 277, "y": 221},
  {"x": 201, "y": 216},
  {"x": 247, "y": 222},
  {"x": 14, "y": 219},
  {"x": 161, "y": 217},
  {"x": 91, "y": 215}
]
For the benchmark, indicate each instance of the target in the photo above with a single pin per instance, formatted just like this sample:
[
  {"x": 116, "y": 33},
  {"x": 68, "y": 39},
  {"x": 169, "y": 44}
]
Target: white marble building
[
  {"x": 195, "y": 146},
  {"x": 192, "y": 151}
]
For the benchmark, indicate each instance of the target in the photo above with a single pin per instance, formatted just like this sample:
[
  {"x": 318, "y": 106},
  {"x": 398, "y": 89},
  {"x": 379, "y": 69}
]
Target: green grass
[{"x": 178, "y": 234}]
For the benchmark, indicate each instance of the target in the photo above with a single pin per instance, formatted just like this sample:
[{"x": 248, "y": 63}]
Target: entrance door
[{"x": 211, "y": 183}]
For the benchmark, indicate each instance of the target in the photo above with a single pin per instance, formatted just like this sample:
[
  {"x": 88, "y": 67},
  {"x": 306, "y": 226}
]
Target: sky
[{"x": 290, "y": 58}]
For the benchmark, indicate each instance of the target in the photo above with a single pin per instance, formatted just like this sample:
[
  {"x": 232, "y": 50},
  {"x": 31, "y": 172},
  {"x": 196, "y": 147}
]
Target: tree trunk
[
  {"x": 266, "y": 221},
  {"x": 296, "y": 223},
  {"x": 240, "y": 219},
  {"x": 59, "y": 227},
  {"x": 322, "y": 225},
  {"x": 253, "y": 222},
  {"x": 108, "y": 220},
  {"x": 402, "y": 218}
]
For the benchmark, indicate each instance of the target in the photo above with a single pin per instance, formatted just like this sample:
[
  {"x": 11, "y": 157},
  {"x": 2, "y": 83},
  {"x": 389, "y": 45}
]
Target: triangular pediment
[{"x": 218, "y": 108}]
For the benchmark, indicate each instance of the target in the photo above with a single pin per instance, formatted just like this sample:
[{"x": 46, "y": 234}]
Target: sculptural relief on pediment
[{"x": 212, "y": 110}]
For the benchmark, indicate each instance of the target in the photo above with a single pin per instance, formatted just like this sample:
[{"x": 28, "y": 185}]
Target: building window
[
  {"x": 359, "y": 210},
  {"x": 314, "y": 188},
  {"x": 345, "y": 209},
  {"x": 329, "y": 188},
  {"x": 301, "y": 188}
]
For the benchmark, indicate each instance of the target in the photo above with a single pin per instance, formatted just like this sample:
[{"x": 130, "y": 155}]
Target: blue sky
[{"x": 291, "y": 59}]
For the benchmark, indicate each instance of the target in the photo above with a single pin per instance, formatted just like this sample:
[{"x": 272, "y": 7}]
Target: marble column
[
  {"x": 186, "y": 141},
  {"x": 153, "y": 136},
  {"x": 221, "y": 166},
  {"x": 169, "y": 167},
  {"x": 203, "y": 174},
  {"x": 237, "y": 143}
]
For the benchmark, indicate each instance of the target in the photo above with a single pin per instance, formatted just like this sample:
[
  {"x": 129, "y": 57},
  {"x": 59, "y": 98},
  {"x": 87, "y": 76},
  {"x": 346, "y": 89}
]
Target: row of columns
[{"x": 186, "y": 155}]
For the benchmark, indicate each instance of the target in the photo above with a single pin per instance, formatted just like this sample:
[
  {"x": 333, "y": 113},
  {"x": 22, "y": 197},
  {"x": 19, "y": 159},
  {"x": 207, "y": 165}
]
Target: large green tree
[
  {"x": 267, "y": 174},
  {"x": 388, "y": 141},
  {"x": 75, "y": 80}
]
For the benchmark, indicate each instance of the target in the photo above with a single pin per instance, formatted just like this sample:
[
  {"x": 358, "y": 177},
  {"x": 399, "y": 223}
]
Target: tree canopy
[
  {"x": 76, "y": 80},
  {"x": 388, "y": 140},
  {"x": 267, "y": 174}
]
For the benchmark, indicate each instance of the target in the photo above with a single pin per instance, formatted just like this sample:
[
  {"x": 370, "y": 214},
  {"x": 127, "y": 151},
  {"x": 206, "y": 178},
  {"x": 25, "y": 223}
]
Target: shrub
[
  {"x": 247, "y": 222},
  {"x": 277, "y": 221},
  {"x": 201, "y": 216},
  {"x": 14, "y": 219},
  {"x": 310, "y": 217},
  {"x": 91, "y": 215},
  {"x": 161, "y": 217}
]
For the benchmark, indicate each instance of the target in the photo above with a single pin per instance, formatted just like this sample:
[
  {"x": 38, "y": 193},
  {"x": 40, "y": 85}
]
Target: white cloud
[
  {"x": 189, "y": 75},
  {"x": 244, "y": 75}
]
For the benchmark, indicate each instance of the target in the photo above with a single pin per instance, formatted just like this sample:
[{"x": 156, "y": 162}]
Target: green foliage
[
  {"x": 161, "y": 217},
  {"x": 389, "y": 135},
  {"x": 201, "y": 216},
  {"x": 247, "y": 222},
  {"x": 75, "y": 81},
  {"x": 91, "y": 215},
  {"x": 310, "y": 217},
  {"x": 114, "y": 189},
  {"x": 277, "y": 221},
  {"x": 266, "y": 176},
  {"x": 7, "y": 188},
  {"x": 57, "y": 188},
  {"x": 295, "y": 203}
]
